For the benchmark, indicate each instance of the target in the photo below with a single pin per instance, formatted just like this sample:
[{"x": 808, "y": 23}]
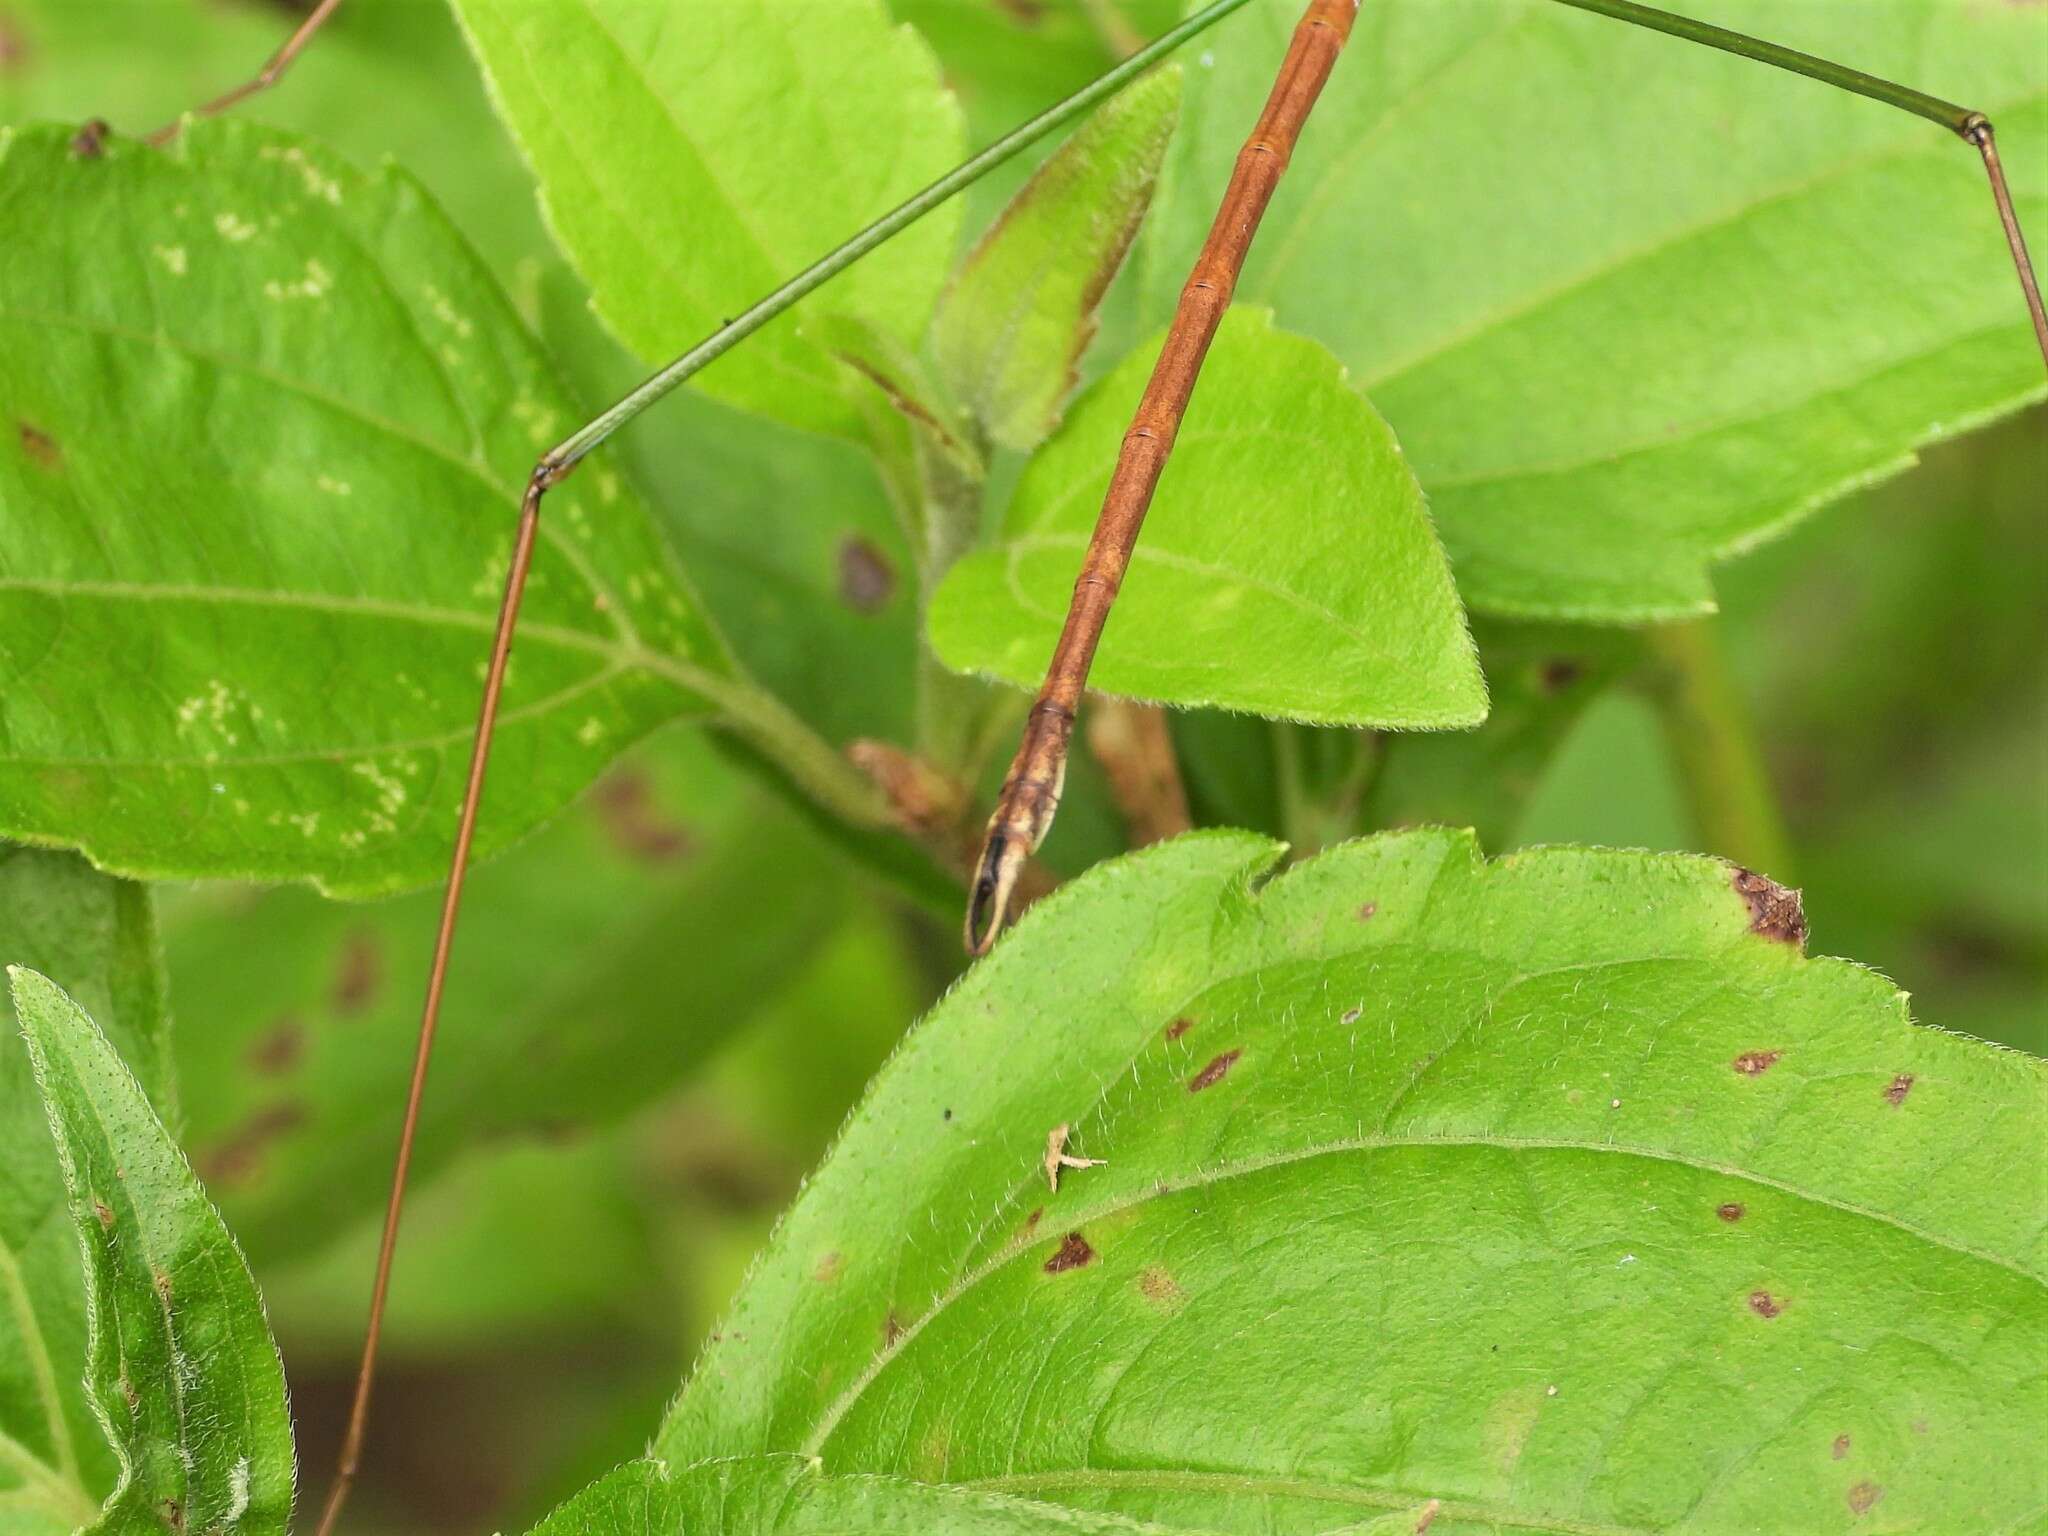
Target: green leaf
[
  {"x": 181, "y": 1367},
  {"x": 1287, "y": 567},
  {"x": 97, "y": 937},
  {"x": 1633, "y": 305},
  {"x": 787, "y": 1496},
  {"x": 260, "y": 461},
  {"x": 923, "y": 443},
  {"x": 140, "y": 63},
  {"x": 1021, "y": 311},
  {"x": 1563, "y": 1189},
  {"x": 691, "y": 157},
  {"x": 596, "y": 966}
]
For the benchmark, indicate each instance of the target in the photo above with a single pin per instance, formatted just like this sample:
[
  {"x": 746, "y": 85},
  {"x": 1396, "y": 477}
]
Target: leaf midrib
[
  {"x": 1246, "y": 1167},
  {"x": 1173, "y": 1480},
  {"x": 621, "y": 659},
  {"x": 475, "y": 469},
  {"x": 1904, "y": 147}
]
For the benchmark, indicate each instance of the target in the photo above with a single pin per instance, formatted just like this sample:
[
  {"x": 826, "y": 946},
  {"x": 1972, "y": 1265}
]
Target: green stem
[
  {"x": 1714, "y": 748},
  {"x": 1296, "y": 825},
  {"x": 1956, "y": 119},
  {"x": 962, "y": 176},
  {"x": 771, "y": 728}
]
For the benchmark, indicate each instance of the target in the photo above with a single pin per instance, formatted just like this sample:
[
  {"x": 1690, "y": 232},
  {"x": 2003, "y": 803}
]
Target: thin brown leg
[
  {"x": 1031, "y": 793},
  {"x": 545, "y": 476},
  {"x": 264, "y": 78},
  {"x": 1978, "y": 132}
]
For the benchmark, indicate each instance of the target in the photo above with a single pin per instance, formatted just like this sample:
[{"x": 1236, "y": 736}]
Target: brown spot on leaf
[
  {"x": 866, "y": 578},
  {"x": 1559, "y": 673},
  {"x": 1774, "y": 912},
  {"x": 1031, "y": 1221},
  {"x": 1179, "y": 1027},
  {"x": 826, "y": 1270},
  {"x": 358, "y": 973},
  {"x": 105, "y": 1212},
  {"x": 13, "y": 46},
  {"x": 162, "y": 1281},
  {"x": 1862, "y": 1496},
  {"x": 130, "y": 1396},
  {"x": 1365, "y": 912},
  {"x": 1352, "y": 1015},
  {"x": 1427, "y": 1517},
  {"x": 1900, "y": 1086},
  {"x": 1732, "y": 1211},
  {"x": 634, "y": 824},
  {"x": 238, "y": 1156},
  {"x": 41, "y": 448},
  {"x": 1159, "y": 1287},
  {"x": 88, "y": 144},
  {"x": 172, "y": 1513},
  {"x": 1215, "y": 1072},
  {"x": 1764, "y": 1304},
  {"x": 278, "y": 1049},
  {"x": 1072, "y": 1253},
  {"x": 892, "y": 1329},
  {"x": 1840, "y": 1448},
  {"x": 1756, "y": 1063},
  {"x": 1026, "y": 13}
]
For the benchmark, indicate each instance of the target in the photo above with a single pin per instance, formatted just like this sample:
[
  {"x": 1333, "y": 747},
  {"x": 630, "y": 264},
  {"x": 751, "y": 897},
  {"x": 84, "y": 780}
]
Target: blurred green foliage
[{"x": 582, "y": 1233}]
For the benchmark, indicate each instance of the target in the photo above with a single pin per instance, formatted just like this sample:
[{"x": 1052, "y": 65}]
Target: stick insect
[{"x": 1030, "y": 794}]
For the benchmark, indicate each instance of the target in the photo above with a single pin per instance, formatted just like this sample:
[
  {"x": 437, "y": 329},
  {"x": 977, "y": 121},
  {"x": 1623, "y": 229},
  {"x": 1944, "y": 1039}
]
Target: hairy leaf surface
[
  {"x": 260, "y": 460},
  {"x": 1633, "y": 305},
  {"x": 1562, "y": 1189},
  {"x": 787, "y": 1496},
  {"x": 1021, "y": 310},
  {"x": 693, "y": 155},
  {"x": 96, "y": 936},
  {"x": 1287, "y": 565},
  {"x": 181, "y": 1367}
]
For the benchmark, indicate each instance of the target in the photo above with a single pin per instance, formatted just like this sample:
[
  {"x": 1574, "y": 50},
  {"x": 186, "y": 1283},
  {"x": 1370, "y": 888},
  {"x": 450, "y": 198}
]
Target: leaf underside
[
  {"x": 693, "y": 154},
  {"x": 96, "y": 936},
  {"x": 181, "y": 1367}
]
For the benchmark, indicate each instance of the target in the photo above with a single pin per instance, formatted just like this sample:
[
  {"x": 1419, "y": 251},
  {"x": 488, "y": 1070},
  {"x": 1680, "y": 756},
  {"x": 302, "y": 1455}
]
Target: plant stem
[
  {"x": 1290, "y": 784},
  {"x": 1713, "y": 744}
]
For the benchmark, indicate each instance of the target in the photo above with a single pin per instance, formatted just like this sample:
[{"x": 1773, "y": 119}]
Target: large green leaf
[
  {"x": 1287, "y": 566},
  {"x": 1563, "y": 1189},
  {"x": 1021, "y": 309},
  {"x": 692, "y": 154},
  {"x": 95, "y": 935},
  {"x": 787, "y": 1496},
  {"x": 1633, "y": 305},
  {"x": 259, "y": 464},
  {"x": 181, "y": 1367},
  {"x": 596, "y": 965}
]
